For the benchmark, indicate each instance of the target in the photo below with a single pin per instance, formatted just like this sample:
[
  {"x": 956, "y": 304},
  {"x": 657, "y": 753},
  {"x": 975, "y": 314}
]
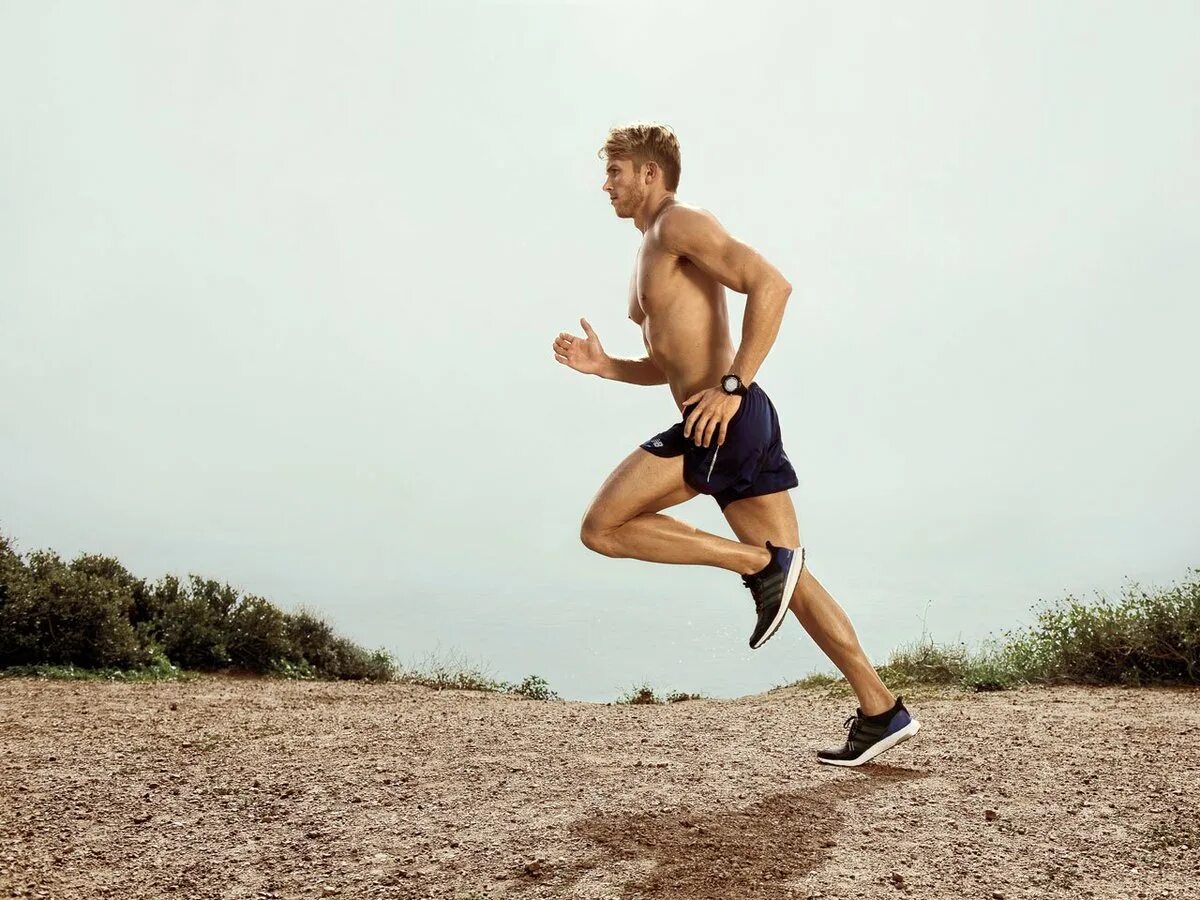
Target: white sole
[
  {"x": 886, "y": 744},
  {"x": 789, "y": 586}
]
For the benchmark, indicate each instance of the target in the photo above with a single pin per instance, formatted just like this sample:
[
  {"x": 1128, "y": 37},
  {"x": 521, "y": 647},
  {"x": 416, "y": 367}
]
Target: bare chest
[{"x": 654, "y": 281}]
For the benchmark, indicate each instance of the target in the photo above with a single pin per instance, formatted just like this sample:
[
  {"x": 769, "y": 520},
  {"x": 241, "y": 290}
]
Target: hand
[
  {"x": 581, "y": 354},
  {"x": 711, "y": 416}
]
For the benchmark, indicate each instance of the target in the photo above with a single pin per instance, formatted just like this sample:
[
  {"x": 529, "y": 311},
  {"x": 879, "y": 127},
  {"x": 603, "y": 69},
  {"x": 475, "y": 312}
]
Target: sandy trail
[{"x": 225, "y": 788}]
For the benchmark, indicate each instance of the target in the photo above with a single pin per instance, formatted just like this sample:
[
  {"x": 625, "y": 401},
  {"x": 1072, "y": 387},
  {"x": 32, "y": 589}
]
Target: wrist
[{"x": 732, "y": 384}]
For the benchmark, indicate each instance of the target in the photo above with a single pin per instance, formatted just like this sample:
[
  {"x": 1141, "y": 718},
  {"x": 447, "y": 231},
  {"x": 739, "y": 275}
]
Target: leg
[
  {"x": 623, "y": 519},
  {"x": 771, "y": 517}
]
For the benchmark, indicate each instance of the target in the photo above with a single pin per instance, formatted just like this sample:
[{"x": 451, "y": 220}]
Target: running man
[{"x": 728, "y": 443}]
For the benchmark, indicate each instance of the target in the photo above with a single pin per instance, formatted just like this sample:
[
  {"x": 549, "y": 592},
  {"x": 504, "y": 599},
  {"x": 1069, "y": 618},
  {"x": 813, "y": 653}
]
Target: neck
[{"x": 646, "y": 216}]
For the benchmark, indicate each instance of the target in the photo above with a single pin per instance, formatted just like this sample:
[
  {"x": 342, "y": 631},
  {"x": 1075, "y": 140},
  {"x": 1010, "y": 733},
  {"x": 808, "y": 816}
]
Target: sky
[{"x": 279, "y": 283}]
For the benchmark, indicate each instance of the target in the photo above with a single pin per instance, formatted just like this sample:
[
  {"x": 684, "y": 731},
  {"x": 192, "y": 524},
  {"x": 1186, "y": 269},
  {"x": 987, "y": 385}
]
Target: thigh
[
  {"x": 767, "y": 517},
  {"x": 642, "y": 483}
]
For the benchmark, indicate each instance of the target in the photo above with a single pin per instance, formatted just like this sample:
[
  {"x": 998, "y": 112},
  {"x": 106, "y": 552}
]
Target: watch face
[{"x": 730, "y": 383}]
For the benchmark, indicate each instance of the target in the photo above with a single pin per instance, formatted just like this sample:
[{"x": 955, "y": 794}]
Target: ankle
[
  {"x": 760, "y": 560},
  {"x": 874, "y": 711}
]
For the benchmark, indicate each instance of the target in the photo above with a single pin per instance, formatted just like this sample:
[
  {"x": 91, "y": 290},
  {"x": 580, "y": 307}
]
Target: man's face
[{"x": 623, "y": 187}]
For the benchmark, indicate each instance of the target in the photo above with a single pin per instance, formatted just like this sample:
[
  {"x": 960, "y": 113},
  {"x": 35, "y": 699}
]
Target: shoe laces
[
  {"x": 751, "y": 583},
  {"x": 852, "y": 724}
]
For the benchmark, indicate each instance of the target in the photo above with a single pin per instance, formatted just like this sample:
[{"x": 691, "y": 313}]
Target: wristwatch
[{"x": 732, "y": 384}]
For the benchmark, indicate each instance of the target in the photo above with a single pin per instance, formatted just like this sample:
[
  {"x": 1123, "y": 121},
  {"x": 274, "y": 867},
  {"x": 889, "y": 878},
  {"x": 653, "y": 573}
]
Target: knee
[{"x": 596, "y": 535}]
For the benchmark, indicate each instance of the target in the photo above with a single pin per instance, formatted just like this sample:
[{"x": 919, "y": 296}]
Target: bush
[
  {"x": 353, "y": 662},
  {"x": 535, "y": 688},
  {"x": 194, "y": 628},
  {"x": 76, "y": 614},
  {"x": 94, "y": 615},
  {"x": 1144, "y": 638},
  {"x": 1147, "y": 637},
  {"x": 311, "y": 639},
  {"x": 257, "y": 635},
  {"x": 640, "y": 694}
]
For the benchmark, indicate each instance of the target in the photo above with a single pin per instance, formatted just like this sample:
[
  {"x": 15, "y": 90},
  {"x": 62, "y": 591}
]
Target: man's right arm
[{"x": 633, "y": 371}]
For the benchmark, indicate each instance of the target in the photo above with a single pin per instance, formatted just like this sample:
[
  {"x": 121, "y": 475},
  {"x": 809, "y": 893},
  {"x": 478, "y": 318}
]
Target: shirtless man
[{"x": 728, "y": 443}]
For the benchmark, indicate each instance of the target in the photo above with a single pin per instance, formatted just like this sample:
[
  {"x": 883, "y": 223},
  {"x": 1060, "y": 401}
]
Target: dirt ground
[{"x": 226, "y": 788}]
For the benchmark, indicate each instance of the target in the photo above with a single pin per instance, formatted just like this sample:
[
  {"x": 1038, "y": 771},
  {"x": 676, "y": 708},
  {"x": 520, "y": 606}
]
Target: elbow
[
  {"x": 773, "y": 284},
  {"x": 772, "y": 289}
]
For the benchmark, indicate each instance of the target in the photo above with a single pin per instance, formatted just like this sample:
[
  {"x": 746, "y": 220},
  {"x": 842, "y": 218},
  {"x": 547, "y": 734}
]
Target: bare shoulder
[
  {"x": 684, "y": 218},
  {"x": 684, "y": 229},
  {"x": 694, "y": 233}
]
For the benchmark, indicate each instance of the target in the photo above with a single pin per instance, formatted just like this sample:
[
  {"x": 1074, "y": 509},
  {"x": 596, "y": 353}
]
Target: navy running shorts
[{"x": 751, "y": 462}]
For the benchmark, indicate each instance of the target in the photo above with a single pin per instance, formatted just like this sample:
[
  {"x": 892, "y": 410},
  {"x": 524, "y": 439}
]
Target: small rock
[
  {"x": 897, "y": 878},
  {"x": 174, "y": 706},
  {"x": 990, "y": 814}
]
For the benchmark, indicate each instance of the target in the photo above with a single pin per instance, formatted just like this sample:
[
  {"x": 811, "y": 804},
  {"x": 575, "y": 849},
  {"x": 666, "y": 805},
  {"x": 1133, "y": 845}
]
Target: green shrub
[
  {"x": 194, "y": 628},
  {"x": 300, "y": 671},
  {"x": 92, "y": 615},
  {"x": 354, "y": 662},
  {"x": 1144, "y": 638},
  {"x": 311, "y": 639},
  {"x": 640, "y": 694},
  {"x": 57, "y": 613},
  {"x": 535, "y": 688},
  {"x": 926, "y": 662},
  {"x": 988, "y": 670},
  {"x": 257, "y": 635}
]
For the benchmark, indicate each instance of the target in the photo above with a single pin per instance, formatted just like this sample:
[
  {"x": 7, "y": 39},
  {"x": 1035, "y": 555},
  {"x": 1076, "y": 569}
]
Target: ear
[{"x": 652, "y": 171}]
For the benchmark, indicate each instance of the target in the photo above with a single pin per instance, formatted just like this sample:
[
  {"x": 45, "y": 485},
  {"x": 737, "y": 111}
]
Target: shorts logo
[{"x": 656, "y": 443}]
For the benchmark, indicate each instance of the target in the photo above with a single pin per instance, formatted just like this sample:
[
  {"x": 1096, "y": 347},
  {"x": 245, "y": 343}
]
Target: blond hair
[{"x": 645, "y": 142}]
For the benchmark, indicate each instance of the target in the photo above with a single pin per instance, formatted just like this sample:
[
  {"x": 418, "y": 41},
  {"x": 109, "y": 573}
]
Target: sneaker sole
[
  {"x": 789, "y": 586},
  {"x": 886, "y": 744}
]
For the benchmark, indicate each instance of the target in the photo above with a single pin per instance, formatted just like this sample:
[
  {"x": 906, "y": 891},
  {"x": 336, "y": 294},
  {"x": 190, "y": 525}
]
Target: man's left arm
[{"x": 702, "y": 239}]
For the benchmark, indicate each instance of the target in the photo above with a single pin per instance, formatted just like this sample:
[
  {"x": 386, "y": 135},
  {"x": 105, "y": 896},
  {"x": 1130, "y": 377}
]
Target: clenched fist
[{"x": 581, "y": 354}]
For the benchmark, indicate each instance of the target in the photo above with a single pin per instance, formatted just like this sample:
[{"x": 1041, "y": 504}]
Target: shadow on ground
[{"x": 695, "y": 854}]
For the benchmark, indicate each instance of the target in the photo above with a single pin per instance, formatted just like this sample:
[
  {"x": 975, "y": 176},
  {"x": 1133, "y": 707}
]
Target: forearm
[
  {"x": 633, "y": 371},
  {"x": 760, "y": 325}
]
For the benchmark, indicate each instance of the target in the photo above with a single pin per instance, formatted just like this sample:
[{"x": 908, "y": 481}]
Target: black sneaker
[
  {"x": 772, "y": 589},
  {"x": 871, "y": 735}
]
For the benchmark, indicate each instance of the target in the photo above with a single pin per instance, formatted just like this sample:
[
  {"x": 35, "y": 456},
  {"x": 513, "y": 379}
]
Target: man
[{"x": 728, "y": 443}]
